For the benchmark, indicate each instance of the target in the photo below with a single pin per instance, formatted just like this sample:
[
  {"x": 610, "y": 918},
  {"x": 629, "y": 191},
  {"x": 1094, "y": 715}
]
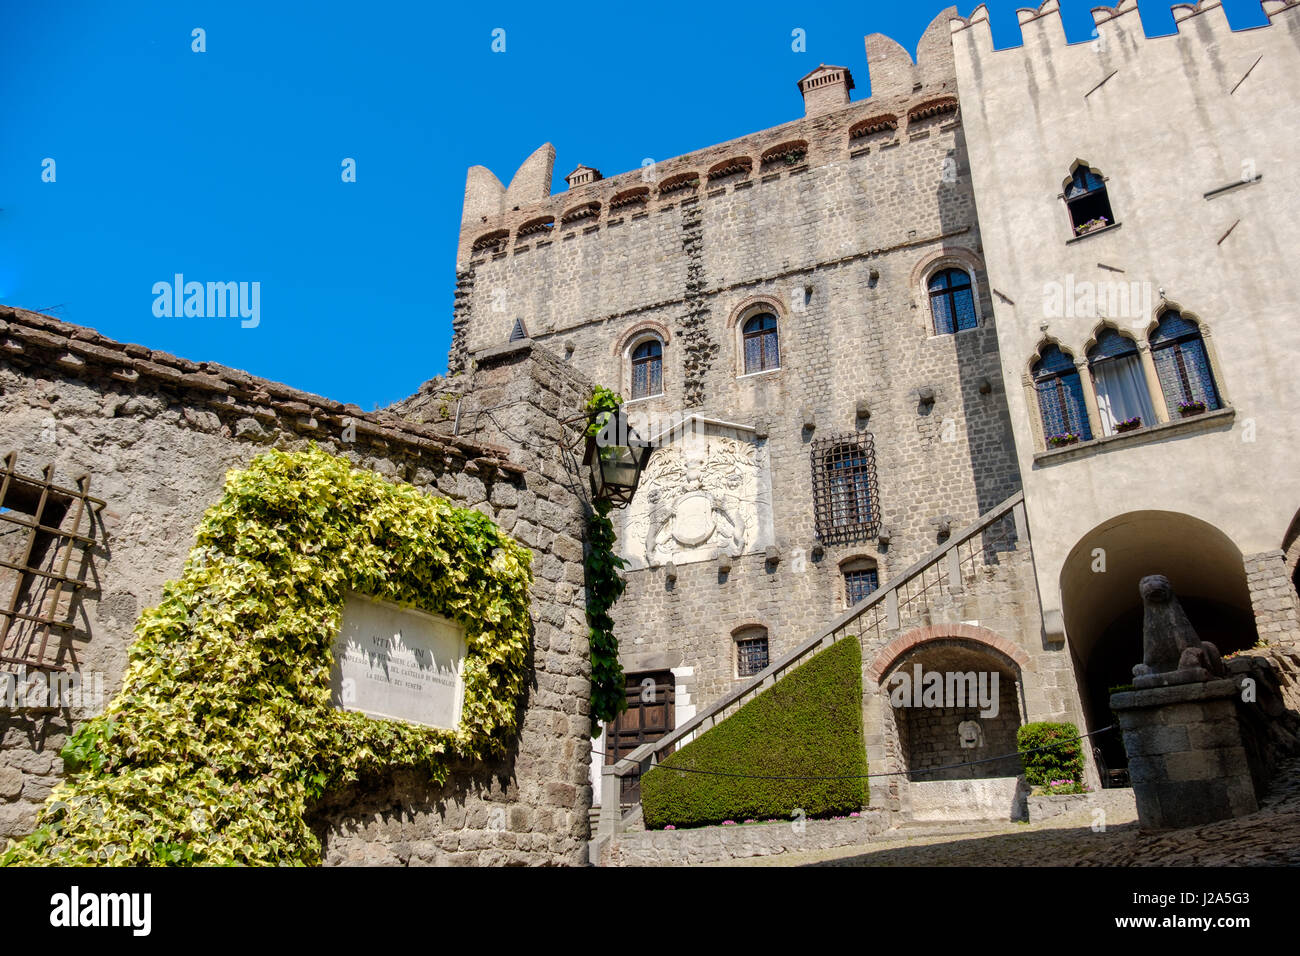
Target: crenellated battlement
[
  {"x": 905, "y": 95},
  {"x": 907, "y": 98},
  {"x": 500, "y": 220},
  {"x": 1044, "y": 23}
]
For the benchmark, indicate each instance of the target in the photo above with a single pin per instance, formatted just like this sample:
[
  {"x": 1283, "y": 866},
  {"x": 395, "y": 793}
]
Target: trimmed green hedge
[
  {"x": 1064, "y": 762},
  {"x": 808, "y": 724}
]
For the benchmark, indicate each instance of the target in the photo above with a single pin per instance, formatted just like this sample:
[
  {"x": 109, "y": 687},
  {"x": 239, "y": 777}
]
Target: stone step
[{"x": 914, "y": 829}]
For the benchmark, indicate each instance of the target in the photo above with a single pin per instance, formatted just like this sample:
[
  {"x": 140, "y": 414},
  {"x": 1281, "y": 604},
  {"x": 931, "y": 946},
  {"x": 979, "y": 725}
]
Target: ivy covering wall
[
  {"x": 604, "y": 587},
  {"x": 809, "y": 724},
  {"x": 223, "y": 734}
]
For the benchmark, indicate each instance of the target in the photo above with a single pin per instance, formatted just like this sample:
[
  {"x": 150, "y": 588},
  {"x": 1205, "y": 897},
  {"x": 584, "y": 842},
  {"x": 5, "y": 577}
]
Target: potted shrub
[
  {"x": 1052, "y": 755},
  {"x": 1063, "y": 439},
  {"x": 1128, "y": 424},
  {"x": 1091, "y": 225},
  {"x": 1191, "y": 408}
]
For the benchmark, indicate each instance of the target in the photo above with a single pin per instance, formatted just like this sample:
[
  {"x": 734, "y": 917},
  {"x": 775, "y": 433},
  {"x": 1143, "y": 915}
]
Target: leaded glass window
[
  {"x": 1060, "y": 396},
  {"x": 1182, "y": 366}
]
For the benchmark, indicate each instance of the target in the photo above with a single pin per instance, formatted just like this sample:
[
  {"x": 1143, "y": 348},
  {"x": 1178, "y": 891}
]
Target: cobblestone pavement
[{"x": 1270, "y": 837}]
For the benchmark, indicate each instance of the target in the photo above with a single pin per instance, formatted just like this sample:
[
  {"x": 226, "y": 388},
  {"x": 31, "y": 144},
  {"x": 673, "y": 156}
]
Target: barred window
[
  {"x": 761, "y": 349},
  {"x": 751, "y": 651},
  {"x": 1087, "y": 201},
  {"x": 952, "y": 302},
  {"x": 1060, "y": 396},
  {"x": 1182, "y": 366},
  {"x": 860, "y": 579},
  {"x": 46, "y": 533},
  {"x": 844, "y": 487},
  {"x": 647, "y": 369}
]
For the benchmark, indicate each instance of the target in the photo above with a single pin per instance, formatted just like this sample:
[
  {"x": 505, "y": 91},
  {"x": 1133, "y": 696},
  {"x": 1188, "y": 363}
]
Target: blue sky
[{"x": 225, "y": 165}]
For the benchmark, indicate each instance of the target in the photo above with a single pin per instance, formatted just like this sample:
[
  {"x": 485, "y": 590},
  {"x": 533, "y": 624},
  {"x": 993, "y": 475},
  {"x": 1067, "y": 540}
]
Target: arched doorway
[
  {"x": 934, "y": 721},
  {"x": 1103, "y": 609}
]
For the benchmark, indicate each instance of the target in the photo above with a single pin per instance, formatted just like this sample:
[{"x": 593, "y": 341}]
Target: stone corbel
[{"x": 1054, "y": 626}]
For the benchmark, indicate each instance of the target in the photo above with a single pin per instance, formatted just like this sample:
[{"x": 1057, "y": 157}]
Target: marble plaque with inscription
[{"x": 399, "y": 663}]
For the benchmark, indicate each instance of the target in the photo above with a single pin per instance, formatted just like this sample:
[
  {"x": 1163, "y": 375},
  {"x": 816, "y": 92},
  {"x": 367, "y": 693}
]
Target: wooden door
[{"x": 649, "y": 716}]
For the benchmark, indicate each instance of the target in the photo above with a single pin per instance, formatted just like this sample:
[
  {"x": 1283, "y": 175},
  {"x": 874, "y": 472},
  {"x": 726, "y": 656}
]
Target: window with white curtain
[{"x": 1123, "y": 402}]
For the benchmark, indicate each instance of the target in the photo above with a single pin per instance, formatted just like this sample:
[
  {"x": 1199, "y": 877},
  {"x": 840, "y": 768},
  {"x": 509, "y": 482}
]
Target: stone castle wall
[
  {"x": 157, "y": 435},
  {"x": 839, "y": 243},
  {"x": 1203, "y": 213}
]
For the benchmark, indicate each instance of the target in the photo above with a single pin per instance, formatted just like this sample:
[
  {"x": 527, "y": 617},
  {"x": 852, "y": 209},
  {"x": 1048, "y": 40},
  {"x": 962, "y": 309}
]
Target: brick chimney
[
  {"x": 582, "y": 175},
  {"x": 825, "y": 89}
]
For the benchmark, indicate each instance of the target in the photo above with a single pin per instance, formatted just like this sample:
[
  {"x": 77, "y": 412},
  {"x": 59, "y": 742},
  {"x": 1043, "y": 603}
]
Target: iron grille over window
[
  {"x": 761, "y": 351},
  {"x": 1060, "y": 396},
  {"x": 751, "y": 653},
  {"x": 844, "y": 487},
  {"x": 42, "y": 528},
  {"x": 647, "y": 369},
  {"x": 1182, "y": 366},
  {"x": 952, "y": 302},
  {"x": 858, "y": 583}
]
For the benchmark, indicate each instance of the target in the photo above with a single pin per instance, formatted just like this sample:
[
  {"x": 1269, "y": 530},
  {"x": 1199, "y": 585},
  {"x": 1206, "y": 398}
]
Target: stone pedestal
[{"x": 1186, "y": 758}]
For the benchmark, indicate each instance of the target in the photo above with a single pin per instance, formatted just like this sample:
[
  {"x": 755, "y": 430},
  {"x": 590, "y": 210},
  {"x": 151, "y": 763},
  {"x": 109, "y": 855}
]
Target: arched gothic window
[
  {"x": 1123, "y": 402},
  {"x": 1060, "y": 398},
  {"x": 1087, "y": 201},
  {"x": 1182, "y": 366}
]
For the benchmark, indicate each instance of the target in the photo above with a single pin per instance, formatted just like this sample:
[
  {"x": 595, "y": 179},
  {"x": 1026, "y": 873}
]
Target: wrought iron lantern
[{"x": 616, "y": 456}]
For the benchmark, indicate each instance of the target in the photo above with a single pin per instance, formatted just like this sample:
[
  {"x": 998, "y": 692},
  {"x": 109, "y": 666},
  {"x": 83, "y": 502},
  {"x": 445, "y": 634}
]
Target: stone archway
[
  {"x": 1103, "y": 610},
  {"x": 939, "y": 737}
]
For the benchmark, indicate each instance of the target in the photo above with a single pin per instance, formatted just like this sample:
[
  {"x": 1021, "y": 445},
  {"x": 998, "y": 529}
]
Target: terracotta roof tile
[{"x": 78, "y": 348}]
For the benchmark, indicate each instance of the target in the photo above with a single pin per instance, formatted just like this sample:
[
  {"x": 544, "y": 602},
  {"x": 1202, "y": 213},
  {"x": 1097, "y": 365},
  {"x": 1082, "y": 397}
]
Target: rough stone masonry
[{"x": 156, "y": 435}]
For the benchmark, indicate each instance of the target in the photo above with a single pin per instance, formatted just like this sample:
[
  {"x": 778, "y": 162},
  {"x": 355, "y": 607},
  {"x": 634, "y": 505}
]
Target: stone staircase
[{"x": 942, "y": 574}]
